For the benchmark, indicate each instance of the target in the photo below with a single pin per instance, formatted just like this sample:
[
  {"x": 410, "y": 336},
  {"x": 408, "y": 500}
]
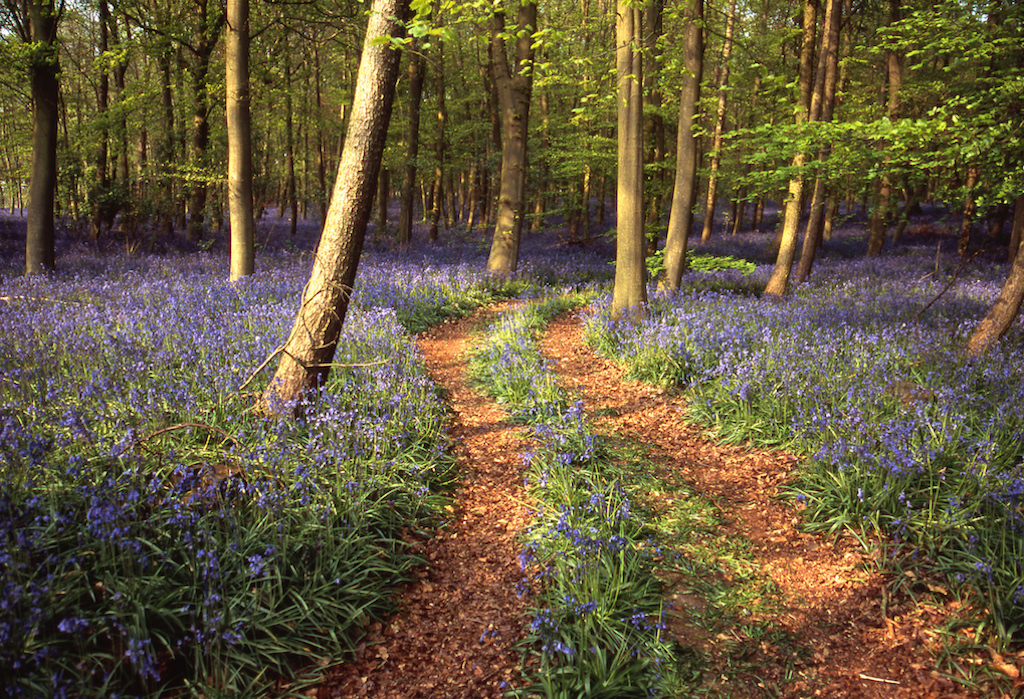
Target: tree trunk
[
  {"x": 967, "y": 215},
  {"x": 383, "y": 194},
  {"x": 416, "y": 70},
  {"x": 39, "y": 241},
  {"x": 779, "y": 280},
  {"x": 206, "y": 40},
  {"x": 680, "y": 219},
  {"x": 630, "y": 290},
  {"x": 654, "y": 126},
  {"x": 442, "y": 116},
  {"x": 1003, "y": 312},
  {"x": 880, "y": 216},
  {"x": 716, "y": 141},
  {"x": 167, "y": 146},
  {"x": 102, "y": 183},
  {"x": 239, "y": 126},
  {"x": 514, "y": 88},
  {"x": 825, "y": 92},
  {"x": 310, "y": 348},
  {"x": 291, "y": 196},
  {"x": 1018, "y": 227}
]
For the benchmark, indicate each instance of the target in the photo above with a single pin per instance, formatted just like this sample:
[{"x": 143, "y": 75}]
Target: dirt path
[
  {"x": 456, "y": 626},
  {"x": 857, "y": 644},
  {"x": 454, "y": 633}
]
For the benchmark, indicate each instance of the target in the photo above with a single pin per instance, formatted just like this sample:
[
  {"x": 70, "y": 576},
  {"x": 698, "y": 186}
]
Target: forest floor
[{"x": 839, "y": 630}]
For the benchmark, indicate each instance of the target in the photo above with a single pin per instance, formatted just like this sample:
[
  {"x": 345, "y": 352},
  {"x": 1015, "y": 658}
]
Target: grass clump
[{"x": 589, "y": 556}]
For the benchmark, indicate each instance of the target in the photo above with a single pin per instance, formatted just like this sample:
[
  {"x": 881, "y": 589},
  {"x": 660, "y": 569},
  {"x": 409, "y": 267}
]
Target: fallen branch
[
  {"x": 876, "y": 679},
  {"x": 39, "y": 299},
  {"x": 186, "y": 425},
  {"x": 952, "y": 281}
]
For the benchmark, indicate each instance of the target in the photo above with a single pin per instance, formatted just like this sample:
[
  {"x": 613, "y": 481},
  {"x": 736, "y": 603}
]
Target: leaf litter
[{"x": 841, "y": 628}]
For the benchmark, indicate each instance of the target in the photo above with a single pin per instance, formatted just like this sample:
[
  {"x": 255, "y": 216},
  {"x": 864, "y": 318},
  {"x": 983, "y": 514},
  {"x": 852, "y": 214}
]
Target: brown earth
[{"x": 846, "y": 634}]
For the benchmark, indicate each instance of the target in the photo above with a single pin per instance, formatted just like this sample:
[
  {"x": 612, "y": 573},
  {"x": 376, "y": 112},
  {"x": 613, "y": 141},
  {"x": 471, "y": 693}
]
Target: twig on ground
[
  {"x": 186, "y": 425},
  {"x": 876, "y": 679}
]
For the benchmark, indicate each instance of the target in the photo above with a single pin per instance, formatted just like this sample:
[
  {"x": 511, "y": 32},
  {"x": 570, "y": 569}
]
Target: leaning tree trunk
[
  {"x": 39, "y": 241},
  {"x": 630, "y": 290},
  {"x": 514, "y": 88},
  {"x": 307, "y": 355},
  {"x": 1003, "y": 312},
  {"x": 239, "y": 128},
  {"x": 680, "y": 219}
]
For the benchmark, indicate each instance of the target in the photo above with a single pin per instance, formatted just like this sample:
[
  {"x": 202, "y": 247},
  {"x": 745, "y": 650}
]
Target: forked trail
[{"x": 455, "y": 630}]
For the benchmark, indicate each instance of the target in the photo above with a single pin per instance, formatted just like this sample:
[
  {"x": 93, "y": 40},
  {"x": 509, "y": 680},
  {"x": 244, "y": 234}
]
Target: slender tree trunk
[
  {"x": 383, "y": 193},
  {"x": 967, "y": 215},
  {"x": 310, "y": 348},
  {"x": 290, "y": 187},
  {"x": 1018, "y": 227},
  {"x": 206, "y": 39},
  {"x": 879, "y": 221},
  {"x": 630, "y": 290},
  {"x": 685, "y": 192},
  {"x": 825, "y": 91},
  {"x": 239, "y": 126},
  {"x": 39, "y": 241},
  {"x": 167, "y": 147},
  {"x": 654, "y": 126},
  {"x": 442, "y": 116},
  {"x": 416, "y": 70},
  {"x": 514, "y": 88},
  {"x": 716, "y": 141},
  {"x": 779, "y": 280},
  {"x": 321, "y": 155},
  {"x": 102, "y": 183}
]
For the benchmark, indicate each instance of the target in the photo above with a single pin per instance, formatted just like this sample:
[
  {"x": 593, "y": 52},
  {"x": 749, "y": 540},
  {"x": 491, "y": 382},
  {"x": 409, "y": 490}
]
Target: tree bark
[
  {"x": 879, "y": 221},
  {"x": 779, "y": 280},
  {"x": 1003, "y": 312},
  {"x": 102, "y": 183},
  {"x": 630, "y": 291},
  {"x": 310, "y": 348},
  {"x": 825, "y": 92},
  {"x": 680, "y": 219},
  {"x": 442, "y": 117},
  {"x": 206, "y": 39},
  {"x": 654, "y": 125},
  {"x": 239, "y": 127},
  {"x": 716, "y": 140},
  {"x": 39, "y": 240},
  {"x": 416, "y": 70},
  {"x": 514, "y": 87}
]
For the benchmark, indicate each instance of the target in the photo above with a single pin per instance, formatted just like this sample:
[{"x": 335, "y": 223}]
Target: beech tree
[
  {"x": 514, "y": 87},
  {"x": 239, "y": 140},
  {"x": 630, "y": 290},
  {"x": 307, "y": 354},
  {"x": 685, "y": 189},
  {"x": 791, "y": 217},
  {"x": 36, "y": 24}
]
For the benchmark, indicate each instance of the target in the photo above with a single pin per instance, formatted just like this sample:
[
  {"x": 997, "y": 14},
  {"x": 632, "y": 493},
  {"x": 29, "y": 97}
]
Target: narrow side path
[
  {"x": 856, "y": 642},
  {"x": 455, "y": 628}
]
